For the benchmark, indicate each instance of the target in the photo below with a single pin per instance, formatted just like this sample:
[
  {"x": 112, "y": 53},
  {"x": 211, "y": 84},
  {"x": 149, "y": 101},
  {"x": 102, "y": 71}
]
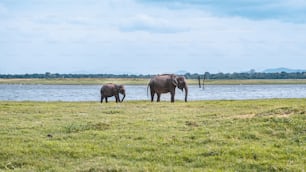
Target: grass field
[
  {"x": 140, "y": 81},
  {"x": 249, "y": 135}
]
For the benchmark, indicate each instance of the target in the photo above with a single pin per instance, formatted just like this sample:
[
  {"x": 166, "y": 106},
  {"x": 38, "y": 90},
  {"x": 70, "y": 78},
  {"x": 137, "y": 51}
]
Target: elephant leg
[
  {"x": 117, "y": 98},
  {"x": 106, "y": 99},
  {"x": 172, "y": 96},
  {"x": 158, "y": 97},
  {"x": 102, "y": 99},
  {"x": 152, "y": 95},
  {"x": 120, "y": 101}
]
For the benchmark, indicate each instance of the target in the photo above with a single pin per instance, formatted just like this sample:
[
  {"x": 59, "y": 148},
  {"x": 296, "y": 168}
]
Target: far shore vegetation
[
  {"x": 144, "y": 81},
  {"x": 193, "y": 79}
]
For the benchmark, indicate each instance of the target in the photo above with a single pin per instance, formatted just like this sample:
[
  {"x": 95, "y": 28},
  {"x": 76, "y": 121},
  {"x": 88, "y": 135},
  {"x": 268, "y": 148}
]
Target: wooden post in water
[
  {"x": 199, "y": 79},
  {"x": 203, "y": 81}
]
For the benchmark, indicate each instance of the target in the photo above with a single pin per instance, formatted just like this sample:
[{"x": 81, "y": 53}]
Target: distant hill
[{"x": 282, "y": 69}]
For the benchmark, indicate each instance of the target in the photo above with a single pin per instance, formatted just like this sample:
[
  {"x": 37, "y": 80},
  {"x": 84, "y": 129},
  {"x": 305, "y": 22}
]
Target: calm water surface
[{"x": 139, "y": 92}]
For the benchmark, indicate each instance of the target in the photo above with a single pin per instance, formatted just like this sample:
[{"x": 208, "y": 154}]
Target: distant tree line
[
  {"x": 207, "y": 75},
  {"x": 249, "y": 75},
  {"x": 49, "y": 75}
]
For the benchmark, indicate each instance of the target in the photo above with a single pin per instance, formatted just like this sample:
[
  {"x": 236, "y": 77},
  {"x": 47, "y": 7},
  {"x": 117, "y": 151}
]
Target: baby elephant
[{"x": 109, "y": 90}]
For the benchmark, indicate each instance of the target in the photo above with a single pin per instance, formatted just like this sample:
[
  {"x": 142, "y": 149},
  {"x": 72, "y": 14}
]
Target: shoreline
[{"x": 149, "y": 101}]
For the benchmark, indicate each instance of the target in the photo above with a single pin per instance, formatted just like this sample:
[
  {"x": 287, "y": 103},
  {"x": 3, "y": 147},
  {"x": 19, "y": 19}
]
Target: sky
[{"x": 151, "y": 36}]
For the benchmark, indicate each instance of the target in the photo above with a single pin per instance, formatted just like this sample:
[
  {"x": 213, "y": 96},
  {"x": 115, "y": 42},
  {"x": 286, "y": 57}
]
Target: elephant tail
[
  {"x": 149, "y": 85},
  {"x": 148, "y": 90}
]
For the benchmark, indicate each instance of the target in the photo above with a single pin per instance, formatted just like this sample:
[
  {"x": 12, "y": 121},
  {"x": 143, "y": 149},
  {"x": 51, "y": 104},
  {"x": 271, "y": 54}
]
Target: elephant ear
[
  {"x": 181, "y": 82},
  {"x": 121, "y": 88},
  {"x": 174, "y": 80},
  {"x": 116, "y": 88}
]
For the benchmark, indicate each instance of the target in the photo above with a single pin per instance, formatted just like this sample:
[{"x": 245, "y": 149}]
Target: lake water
[{"x": 139, "y": 92}]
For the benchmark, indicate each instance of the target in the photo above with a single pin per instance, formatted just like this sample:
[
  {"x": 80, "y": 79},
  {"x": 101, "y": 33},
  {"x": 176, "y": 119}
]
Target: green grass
[
  {"x": 141, "y": 81},
  {"x": 250, "y": 135}
]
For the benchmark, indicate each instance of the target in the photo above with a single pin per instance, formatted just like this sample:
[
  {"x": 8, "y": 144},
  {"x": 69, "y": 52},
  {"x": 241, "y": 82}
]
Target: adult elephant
[
  {"x": 167, "y": 83},
  {"x": 109, "y": 90}
]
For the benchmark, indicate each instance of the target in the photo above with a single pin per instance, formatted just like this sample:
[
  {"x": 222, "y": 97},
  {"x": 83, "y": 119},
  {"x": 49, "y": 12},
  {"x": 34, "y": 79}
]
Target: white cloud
[
  {"x": 148, "y": 23},
  {"x": 102, "y": 35}
]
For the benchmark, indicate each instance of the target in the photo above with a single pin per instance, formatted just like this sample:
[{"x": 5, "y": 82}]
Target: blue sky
[{"x": 151, "y": 36}]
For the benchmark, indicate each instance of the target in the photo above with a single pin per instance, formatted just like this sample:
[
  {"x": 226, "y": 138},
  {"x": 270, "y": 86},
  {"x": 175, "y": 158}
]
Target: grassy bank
[
  {"x": 255, "y": 135},
  {"x": 76, "y": 81},
  {"x": 140, "y": 81}
]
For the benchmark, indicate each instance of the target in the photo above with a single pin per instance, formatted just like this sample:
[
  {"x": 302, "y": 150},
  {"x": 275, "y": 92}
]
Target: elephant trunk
[
  {"x": 186, "y": 92},
  {"x": 123, "y": 97}
]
